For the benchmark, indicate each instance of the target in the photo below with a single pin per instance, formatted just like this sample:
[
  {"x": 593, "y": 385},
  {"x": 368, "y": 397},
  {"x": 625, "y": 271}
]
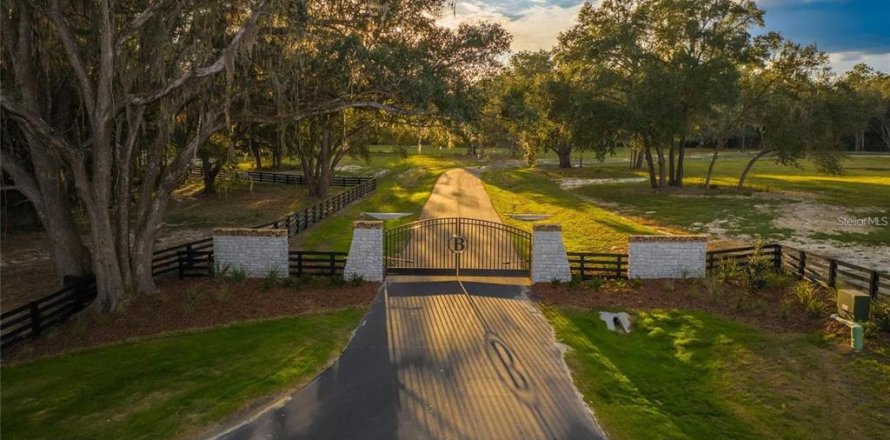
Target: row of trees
[
  {"x": 659, "y": 75},
  {"x": 106, "y": 104}
]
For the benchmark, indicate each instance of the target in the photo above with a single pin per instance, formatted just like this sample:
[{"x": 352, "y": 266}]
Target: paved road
[
  {"x": 439, "y": 360},
  {"x": 431, "y": 362},
  {"x": 459, "y": 193}
]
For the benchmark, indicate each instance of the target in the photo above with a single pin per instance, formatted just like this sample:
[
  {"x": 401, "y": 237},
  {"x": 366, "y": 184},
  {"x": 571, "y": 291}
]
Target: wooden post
[
  {"x": 802, "y": 264},
  {"x": 36, "y": 324},
  {"x": 581, "y": 267},
  {"x": 333, "y": 265},
  {"x": 832, "y": 273},
  {"x": 777, "y": 258},
  {"x": 300, "y": 264},
  {"x": 618, "y": 267},
  {"x": 873, "y": 285}
]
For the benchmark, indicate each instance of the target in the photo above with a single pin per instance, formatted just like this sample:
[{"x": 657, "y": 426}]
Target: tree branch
[
  {"x": 71, "y": 52},
  {"x": 206, "y": 71}
]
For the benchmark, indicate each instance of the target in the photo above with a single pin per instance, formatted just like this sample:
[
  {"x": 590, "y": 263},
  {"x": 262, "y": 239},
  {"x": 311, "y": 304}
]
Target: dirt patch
[
  {"x": 26, "y": 272},
  {"x": 577, "y": 183},
  {"x": 195, "y": 304}
]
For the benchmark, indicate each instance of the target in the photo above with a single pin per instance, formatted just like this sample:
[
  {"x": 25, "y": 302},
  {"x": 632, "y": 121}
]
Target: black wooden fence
[
  {"x": 588, "y": 265},
  {"x": 190, "y": 259},
  {"x": 831, "y": 272}
]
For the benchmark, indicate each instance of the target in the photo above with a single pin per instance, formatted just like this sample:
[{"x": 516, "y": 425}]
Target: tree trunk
[
  {"x": 257, "y": 154},
  {"x": 648, "y": 153},
  {"x": 750, "y": 164},
  {"x": 720, "y": 144},
  {"x": 662, "y": 180},
  {"x": 565, "y": 156},
  {"x": 885, "y": 132},
  {"x": 681, "y": 168},
  {"x": 210, "y": 171},
  {"x": 671, "y": 168}
]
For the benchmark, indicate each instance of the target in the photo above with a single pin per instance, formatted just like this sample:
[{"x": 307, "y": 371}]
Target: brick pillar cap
[
  {"x": 665, "y": 238},
  {"x": 367, "y": 224},
  {"x": 547, "y": 227},
  {"x": 250, "y": 232}
]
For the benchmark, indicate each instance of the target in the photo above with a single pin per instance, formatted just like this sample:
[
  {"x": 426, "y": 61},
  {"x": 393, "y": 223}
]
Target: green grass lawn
[
  {"x": 172, "y": 386},
  {"x": 690, "y": 375},
  {"x": 586, "y": 227}
]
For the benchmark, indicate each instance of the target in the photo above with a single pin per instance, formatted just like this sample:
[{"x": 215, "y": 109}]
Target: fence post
[
  {"x": 300, "y": 264},
  {"x": 832, "y": 273},
  {"x": 333, "y": 266},
  {"x": 581, "y": 267},
  {"x": 777, "y": 257},
  {"x": 802, "y": 264},
  {"x": 873, "y": 285},
  {"x": 36, "y": 327},
  {"x": 618, "y": 267}
]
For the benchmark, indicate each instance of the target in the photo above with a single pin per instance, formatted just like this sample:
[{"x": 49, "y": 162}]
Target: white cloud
[
  {"x": 533, "y": 27},
  {"x": 844, "y": 61}
]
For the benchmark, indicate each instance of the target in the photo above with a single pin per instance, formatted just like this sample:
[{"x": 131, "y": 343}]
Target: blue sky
[{"x": 851, "y": 31}]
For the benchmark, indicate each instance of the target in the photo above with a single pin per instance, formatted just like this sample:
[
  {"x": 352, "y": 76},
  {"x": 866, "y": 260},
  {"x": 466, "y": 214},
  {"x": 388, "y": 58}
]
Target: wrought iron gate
[{"x": 438, "y": 246}]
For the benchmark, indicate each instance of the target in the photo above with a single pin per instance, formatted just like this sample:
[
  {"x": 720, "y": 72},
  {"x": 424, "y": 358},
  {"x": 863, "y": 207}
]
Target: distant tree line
[{"x": 657, "y": 76}]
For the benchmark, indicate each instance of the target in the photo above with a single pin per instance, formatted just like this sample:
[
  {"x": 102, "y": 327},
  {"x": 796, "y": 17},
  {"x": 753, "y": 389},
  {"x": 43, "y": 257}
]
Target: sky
[{"x": 850, "y": 31}]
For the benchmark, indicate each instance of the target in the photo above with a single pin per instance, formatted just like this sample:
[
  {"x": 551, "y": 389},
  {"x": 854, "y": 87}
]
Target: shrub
[
  {"x": 337, "y": 281},
  {"x": 595, "y": 284},
  {"x": 221, "y": 293},
  {"x": 785, "y": 310},
  {"x": 271, "y": 279},
  {"x": 778, "y": 280},
  {"x": 758, "y": 269},
  {"x": 713, "y": 287},
  {"x": 880, "y": 315},
  {"x": 728, "y": 269},
  {"x": 219, "y": 272},
  {"x": 693, "y": 292},
  {"x": 555, "y": 282},
  {"x": 238, "y": 275},
  {"x": 669, "y": 285},
  {"x": 576, "y": 281},
  {"x": 807, "y": 294},
  {"x": 356, "y": 280}
]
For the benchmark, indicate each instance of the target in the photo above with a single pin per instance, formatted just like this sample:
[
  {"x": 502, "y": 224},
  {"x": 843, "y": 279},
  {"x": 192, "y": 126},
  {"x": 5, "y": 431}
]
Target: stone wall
[
  {"x": 549, "y": 260},
  {"x": 256, "y": 251},
  {"x": 666, "y": 256},
  {"x": 366, "y": 252}
]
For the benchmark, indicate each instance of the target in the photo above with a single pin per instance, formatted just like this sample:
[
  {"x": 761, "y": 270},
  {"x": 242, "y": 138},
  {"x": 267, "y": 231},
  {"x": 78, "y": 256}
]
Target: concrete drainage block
[{"x": 616, "y": 322}]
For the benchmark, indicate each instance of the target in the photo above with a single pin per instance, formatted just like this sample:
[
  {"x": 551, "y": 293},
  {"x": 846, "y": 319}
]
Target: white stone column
[
  {"x": 666, "y": 256},
  {"x": 255, "y": 251},
  {"x": 549, "y": 259},
  {"x": 366, "y": 252}
]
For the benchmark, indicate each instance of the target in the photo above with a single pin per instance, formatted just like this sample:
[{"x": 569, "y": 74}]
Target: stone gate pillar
[
  {"x": 255, "y": 251},
  {"x": 366, "y": 252},
  {"x": 549, "y": 259}
]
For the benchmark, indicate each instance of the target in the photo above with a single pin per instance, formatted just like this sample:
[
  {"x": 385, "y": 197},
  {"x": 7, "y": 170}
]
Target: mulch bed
[
  {"x": 762, "y": 309},
  {"x": 195, "y": 304}
]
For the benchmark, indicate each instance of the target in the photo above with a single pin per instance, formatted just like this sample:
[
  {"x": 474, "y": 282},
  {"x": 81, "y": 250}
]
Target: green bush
[
  {"x": 880, "y": 315},
  {"x": 576, "y": 281},
  {"x": 356, "y": 280},
  {"x": 779, "y": 280},
  {"x": 728, "y": 269},
  {"x": 555, "y": 282},
  {"x": 713, "y": 287},
  {"x": 238, "y": 275},
  {"x": 758, "y": 269},
  {"x": 807, "y": 294},
  {"x": 271, "y": 279},
  {"x": 595, "y": 284}
]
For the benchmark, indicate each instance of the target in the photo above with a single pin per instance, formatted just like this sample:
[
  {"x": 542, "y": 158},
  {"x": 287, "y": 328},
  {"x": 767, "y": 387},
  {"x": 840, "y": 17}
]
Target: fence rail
[
  {"x": 588, "y": 265},
  {"x": 194, "y": 258},
  {"x": 317, "y": 263}
]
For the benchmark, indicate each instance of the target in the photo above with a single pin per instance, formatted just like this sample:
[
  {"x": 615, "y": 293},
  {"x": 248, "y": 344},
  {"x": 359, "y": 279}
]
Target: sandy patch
[{"x": 576, "y": 183}]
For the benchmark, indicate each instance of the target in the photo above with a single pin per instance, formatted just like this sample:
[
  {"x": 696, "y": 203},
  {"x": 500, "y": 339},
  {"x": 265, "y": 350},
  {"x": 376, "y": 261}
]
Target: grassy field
[
  {"x": 683, "y": 375},
  {"x": 863, "y": 190},
  {"x": 587, "y": 227},
  {"x": 166, "y": 387}
]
